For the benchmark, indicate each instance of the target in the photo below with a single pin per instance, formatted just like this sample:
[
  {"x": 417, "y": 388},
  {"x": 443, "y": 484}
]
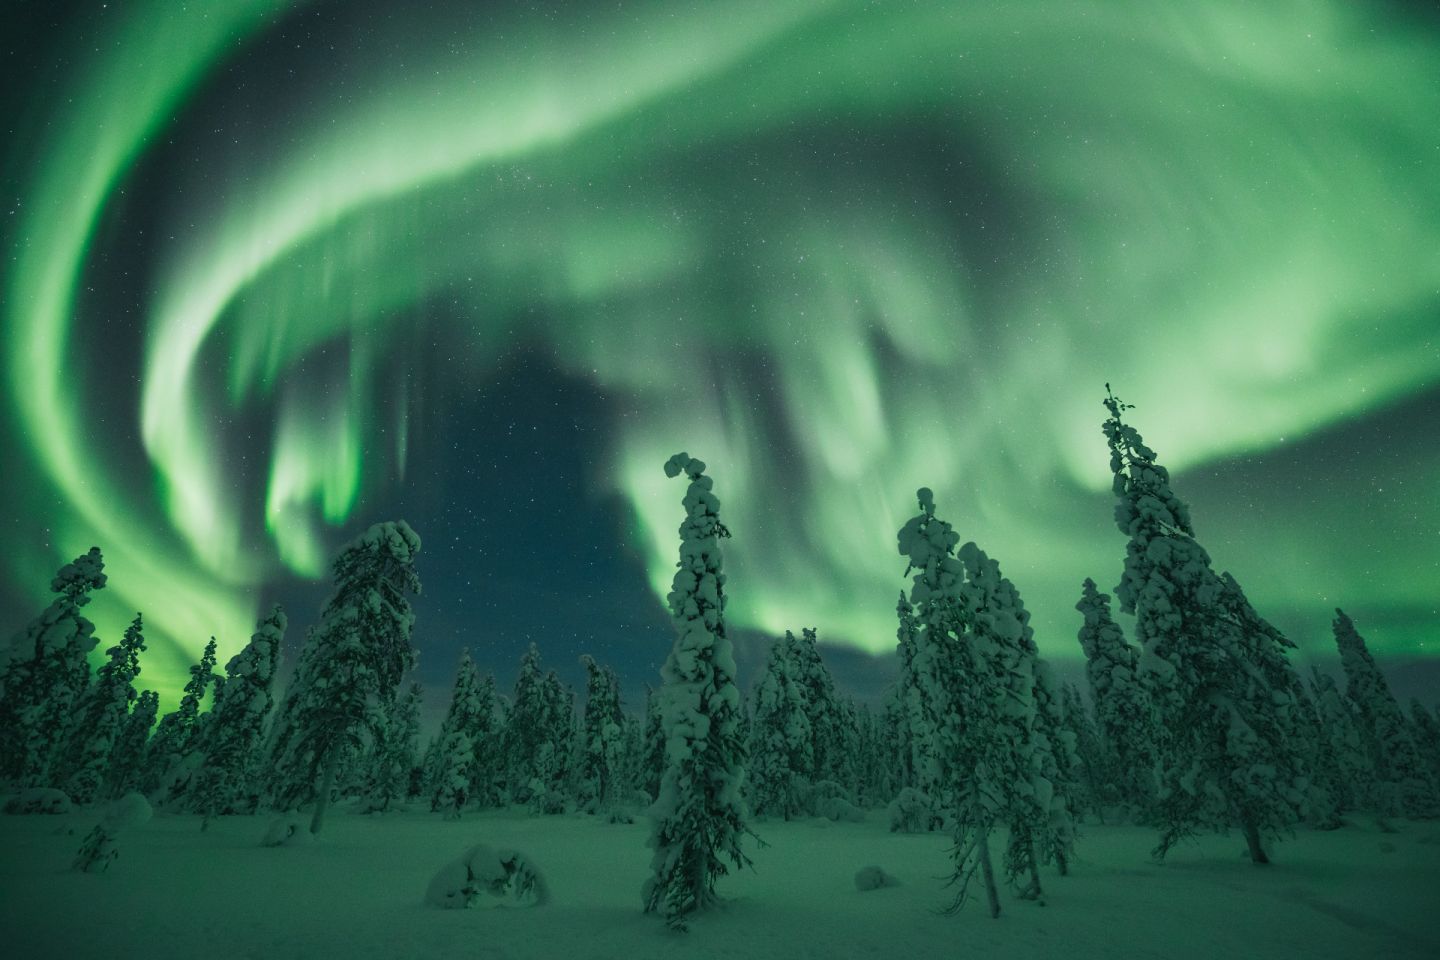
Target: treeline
[{"x": 1205, "y": 725}]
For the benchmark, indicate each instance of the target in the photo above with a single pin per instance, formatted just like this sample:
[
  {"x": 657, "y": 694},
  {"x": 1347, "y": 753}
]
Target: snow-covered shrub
[
  {"x": 873, "y": 878},
  {"x": 39, "y": 800},
  {"x": 98, "y": 848},
  {"x": 833, "y": 802},
  {"x": 504, "y": 877},
  {"x": 912, "y": 812},
  {"x": 285, "y": 832}
]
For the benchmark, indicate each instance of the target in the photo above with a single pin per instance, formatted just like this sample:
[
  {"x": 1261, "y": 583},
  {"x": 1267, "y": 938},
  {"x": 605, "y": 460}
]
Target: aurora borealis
[{"x": 266, "y": 260}]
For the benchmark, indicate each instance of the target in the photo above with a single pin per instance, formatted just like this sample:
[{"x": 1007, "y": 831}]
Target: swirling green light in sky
[{"x": 839, "y": 250}]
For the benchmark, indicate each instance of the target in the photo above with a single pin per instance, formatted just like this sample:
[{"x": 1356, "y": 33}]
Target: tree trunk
[
  {"x": 1252, "y": 839},
  {"x": 987, "y": 871},
  {"x": 322, "y": 799},
  {"x": 1062, "y": 863},
  {"x": 1035, "y": 892}
]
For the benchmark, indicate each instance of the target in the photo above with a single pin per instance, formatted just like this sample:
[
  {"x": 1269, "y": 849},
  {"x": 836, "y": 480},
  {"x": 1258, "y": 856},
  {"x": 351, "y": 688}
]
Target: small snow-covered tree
[
  {"x": 1095, "y": 772},
  {"x": 470, "y": 713},
  {"x": 1125, "y": 719},
  {"x": 354, "y": 660},
  {"x": 602, "y": 738},
  {"x": 1425, "y": 731},
  {"x": 831, "y": 759},
  {"x": 104, "y": 710},
  {"x": 1404, "y": 780},
  {"x": 46, "y": 675},
  {"x": 178, "y": 733},
  {"x": 393, "y": 759},
  {"x": 127, "y": 765},
  {"x": 1343, "y": 746},
  {"x": 1223, "y": 760},
  {"x": 529, "y": 752},
  {"x": 225, "y": 782},
  {"x": 781, "y": 744},
  {"x": 699, "y": 817},
  {"x": 652, "y": 763}
]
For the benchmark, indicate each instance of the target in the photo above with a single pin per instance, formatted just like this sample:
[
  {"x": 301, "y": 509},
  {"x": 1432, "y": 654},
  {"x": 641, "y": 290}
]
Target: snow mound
[
  {"x": 911, "y": 812},
  {"x": 503, "y": 876},
  {"x": 873, "y": 878},
  {"x": 39, "y": 800},
  {"x": 130, "y": 810},
  {"x": 286, "y": 832}
]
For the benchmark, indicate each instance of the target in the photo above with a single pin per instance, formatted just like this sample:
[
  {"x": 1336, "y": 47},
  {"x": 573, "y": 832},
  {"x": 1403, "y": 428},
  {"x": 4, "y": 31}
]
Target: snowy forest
[{"x": 1196, "y": 729}]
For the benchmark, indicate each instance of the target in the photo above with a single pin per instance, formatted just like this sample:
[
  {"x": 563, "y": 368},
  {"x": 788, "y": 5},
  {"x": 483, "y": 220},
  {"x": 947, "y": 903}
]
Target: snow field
[{"x": 358, "y": 893}]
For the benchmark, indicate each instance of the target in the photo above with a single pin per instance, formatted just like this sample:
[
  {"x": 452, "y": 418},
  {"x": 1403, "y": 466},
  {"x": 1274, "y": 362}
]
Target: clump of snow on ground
[
  {"x": 488, "y": 876},
  {"x": 286, "y": 832},
  {"x": 873, "y": 878}
]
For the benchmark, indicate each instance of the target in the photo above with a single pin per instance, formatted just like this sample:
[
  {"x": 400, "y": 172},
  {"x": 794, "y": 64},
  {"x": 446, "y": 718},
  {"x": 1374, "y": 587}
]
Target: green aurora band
[{"x": 1230, "y": 210}]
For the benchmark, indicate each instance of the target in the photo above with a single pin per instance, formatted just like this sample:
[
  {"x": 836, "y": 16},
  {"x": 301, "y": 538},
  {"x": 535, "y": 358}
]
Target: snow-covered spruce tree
[
  {"x": 1404, "y": 781},
  {"x": 1095, "y": 770},
  {"x": 781, "y": 743},
  {"x": 602, "y": 737},
  {"x": 699, "y": 817},
  {"x": 828, "y": 723},
  {"x": 166, "y": 777},
  {"x": 965, "y": 683},
  {"x": 555, "y": 762},
  {"x": 1425, "y": 731},
  {"x": 652, "y": 763},
  {"x": 469, "y": 713},
  {"x": 355, "y": 658},
  {"x": 906, "y": 714},
  {"x": 46, "y": 674},
  {"x": 1343, "y": 746},
  {"x": 1275, "y": 698},
  {"x": 126, "y": 768},
  {"x": 393, "y": 760},
  {"x": 104, "y": 709},
  {"x": 527, "y": 728},
  {"x": 1124, "y": 716},
  {"x": 225, "y": 782},
  {"x": 1036, "y": 802},
  {"x": 1221, "y": 764},
  {"x": 1057, "y": 761}
]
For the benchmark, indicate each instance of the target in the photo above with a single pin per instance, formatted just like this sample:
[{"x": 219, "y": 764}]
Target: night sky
[{"x": 275, "y": 271}]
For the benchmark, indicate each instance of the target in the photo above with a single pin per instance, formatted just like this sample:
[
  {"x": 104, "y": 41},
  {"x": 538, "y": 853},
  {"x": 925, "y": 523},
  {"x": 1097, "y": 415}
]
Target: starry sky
[{"x": 275, "y": 270}]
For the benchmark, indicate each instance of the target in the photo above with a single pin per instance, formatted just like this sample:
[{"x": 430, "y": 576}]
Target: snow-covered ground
[{"x": 358, "y": 893}]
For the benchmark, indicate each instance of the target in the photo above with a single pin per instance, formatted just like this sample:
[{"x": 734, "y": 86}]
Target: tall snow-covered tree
[
  {"x": 1034, "y": 791},
  {"x": 105, "y": 708},
  {"x": 45, "y": 675},
  {"x": 907, "y": 714},
  {"x": 602, "y": 736},
  {"x": 1124, "y": 717},
  {"x": 226, "y": 780},
  {"x": 781, "y": 742},
  {"x": 354, "y": 660},
  {"x": 178, "y": 733},
  {"x": 974, "y": 692},
  {"x": 1222, "y": 763},
  {"x": 126, "y": 769},
  {"x": 699, "y": 818},
  {"x": 1404, "y": 781}
]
